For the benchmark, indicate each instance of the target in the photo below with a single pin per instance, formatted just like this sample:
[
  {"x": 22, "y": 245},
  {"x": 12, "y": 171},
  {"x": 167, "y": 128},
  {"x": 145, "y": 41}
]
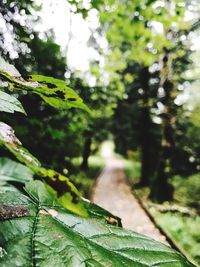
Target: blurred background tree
[{"x": 150, "y": 54}]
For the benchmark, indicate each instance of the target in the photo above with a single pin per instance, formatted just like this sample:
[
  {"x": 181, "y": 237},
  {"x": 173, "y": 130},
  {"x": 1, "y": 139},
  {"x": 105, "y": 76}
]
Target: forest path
[{"x": 113, "y": 193}]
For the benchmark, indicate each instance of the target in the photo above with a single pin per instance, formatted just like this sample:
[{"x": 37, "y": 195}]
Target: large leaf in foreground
[{"x": 39, "y": 232}]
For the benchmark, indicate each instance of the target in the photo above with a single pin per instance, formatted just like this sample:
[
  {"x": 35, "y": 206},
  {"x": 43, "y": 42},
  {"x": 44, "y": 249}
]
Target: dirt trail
[{"x": 114, "y": 194}]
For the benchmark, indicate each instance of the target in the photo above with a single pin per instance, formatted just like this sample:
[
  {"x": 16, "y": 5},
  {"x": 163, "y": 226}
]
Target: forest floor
[{"x": 113, "y": 193}]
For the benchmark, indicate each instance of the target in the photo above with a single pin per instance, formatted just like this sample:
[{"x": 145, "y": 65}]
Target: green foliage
[
  {"x": 37, "y": 230},
  {"x": 96, "y": 162},
  {"x": 187, "y": 190},
  {"x": 37, "y": 61},
  {"x": 182, "y": 224},
  {"x": 184, "y": 230},
  {"x": 133, "y": 171},
  {"x": 186, "y": 159},
  {"x": 85, "y": 180}
]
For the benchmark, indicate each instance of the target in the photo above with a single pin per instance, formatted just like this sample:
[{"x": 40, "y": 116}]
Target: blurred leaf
[
  {"x": 10, "y": 104},
  {"x": 10, "y": 69},
  {"x": 40, "y": 231}
]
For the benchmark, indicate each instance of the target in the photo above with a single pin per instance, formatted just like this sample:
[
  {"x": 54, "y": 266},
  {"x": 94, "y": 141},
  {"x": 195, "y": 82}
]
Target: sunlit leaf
[
  {"x": 56, "y": 93},
  {"x": 53, "y": 91}
]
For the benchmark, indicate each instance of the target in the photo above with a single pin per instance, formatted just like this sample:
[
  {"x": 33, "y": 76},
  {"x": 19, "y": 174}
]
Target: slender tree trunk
[
  {"x": 161, "y": 189},
  {"x": 145, "y": 136},
  {"x": 86, "y": 151}
]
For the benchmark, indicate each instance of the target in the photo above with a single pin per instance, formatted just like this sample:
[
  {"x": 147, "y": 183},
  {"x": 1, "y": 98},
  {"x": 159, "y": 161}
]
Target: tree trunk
[
  {"x": 145, "y": 135},
  {"x": 161, "y": 189},
  {"x": 86, "y": 151}
]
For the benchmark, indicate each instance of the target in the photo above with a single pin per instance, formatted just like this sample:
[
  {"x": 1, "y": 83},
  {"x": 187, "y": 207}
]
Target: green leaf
[
  {"x": 60, "y": 186},
  {"x": 13, "y": 171},
  {"x": 53, "y": 91},
  {"x": 10, "y": 104},
  {"x": 39, "y": 232},
  {"x": 57, "y": 94}
]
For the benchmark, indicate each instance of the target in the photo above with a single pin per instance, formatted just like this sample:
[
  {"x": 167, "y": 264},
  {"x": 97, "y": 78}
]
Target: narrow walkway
[{"x": 114, "y": 194}]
